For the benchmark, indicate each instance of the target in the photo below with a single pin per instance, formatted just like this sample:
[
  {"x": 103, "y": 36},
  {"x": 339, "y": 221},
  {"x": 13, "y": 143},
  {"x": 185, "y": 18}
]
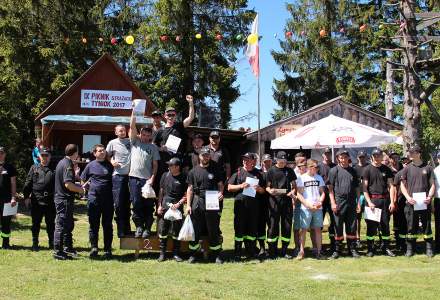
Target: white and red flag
[{"x": 252, "y": 50}]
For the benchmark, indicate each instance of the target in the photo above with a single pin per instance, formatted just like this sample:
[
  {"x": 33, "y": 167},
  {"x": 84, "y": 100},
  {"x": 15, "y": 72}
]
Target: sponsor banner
[
  {"x": 285, "y": 129},
  {"x": 106, "y": 99}
]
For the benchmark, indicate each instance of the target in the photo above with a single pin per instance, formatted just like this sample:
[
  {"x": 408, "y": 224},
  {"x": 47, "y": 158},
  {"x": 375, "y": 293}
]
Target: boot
[
  {"x": 138, "y": 232},
  {"x": 250, "y": 249},
  {"x": 410, "y": 247},
  {"x": 163, "y": 249},
  {"x": 176, "y": 251},
  {"x": 218, "y": 258},
  {"x": 429, "y": 251},
  {"x": 332, "y": 244},
  {"x": 284, "y": 247},
  {"x": 352, "y": 248},
  {"x": 335, "y": 254},
  {"x": 5, "y": 244},
  {"x": 371, "y": 250},
  {"x": 386, "y": 249},
  {"x": 237, "y": 250},
  {"x": 35, "y": 246},
  {"x": 50, "y": 244},
  {"x": 262, "y": 252},
  {"x": 273, "y": 253},
  {"x": 93, "y": 252}
]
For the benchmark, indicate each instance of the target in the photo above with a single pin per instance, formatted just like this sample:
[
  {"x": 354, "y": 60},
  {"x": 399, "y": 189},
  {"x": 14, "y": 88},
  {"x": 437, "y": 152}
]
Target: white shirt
[
  {"x": 311, "y": 185},
  {"x": 437, "y": 181}
]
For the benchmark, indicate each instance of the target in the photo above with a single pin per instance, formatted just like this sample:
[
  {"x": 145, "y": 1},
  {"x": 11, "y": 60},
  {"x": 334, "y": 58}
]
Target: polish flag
[{"x": 252, "y": 51}]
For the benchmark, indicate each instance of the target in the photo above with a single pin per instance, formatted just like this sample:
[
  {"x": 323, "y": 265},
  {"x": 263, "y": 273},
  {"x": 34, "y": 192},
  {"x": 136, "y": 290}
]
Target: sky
[{"x": 272, "y": 19}]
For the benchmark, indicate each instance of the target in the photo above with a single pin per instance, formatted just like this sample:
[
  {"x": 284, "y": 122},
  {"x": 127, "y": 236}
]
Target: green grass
[{"x": 36, "y": 275}]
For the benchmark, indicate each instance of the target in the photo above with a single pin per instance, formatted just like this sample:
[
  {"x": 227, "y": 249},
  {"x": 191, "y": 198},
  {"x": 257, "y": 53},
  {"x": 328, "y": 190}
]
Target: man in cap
[
  {"x": 263, "y": 208},
  {"x": 343, "y": 186},
  {"x": 172, "y": 195},
  {"x": 38, "y": 192},
  {"x": 65, "y": 190},
  {"x": 157, "y": 121},
  {"x": 97, "y": 176},
  {"x": 281, "y": 185},
  {"x": 192, "y": 157},
  {"x": 8, "y": 189},
  {"x": 245, "y": 205},
  {"x": 359, "y": 168},
  {"x": 324, "y": 167},
  {"x": 204, "y": 178},
  {"x": 143, "y": 170},
  {"x": 220, "y": 154},
  {"x": 418, "y": 187},
  {"x": 377, "y": 181},
  {"x": 437, "y": 204},
  {"x": 118, "y": 152}
]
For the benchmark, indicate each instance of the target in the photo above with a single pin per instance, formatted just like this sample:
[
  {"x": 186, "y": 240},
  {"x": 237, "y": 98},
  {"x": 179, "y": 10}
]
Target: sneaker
[
  {"x": 389, "y": 253},
  {"x": 429, "y": 253},
  {"x": 319, "y": 256},
  {"x": 161, "y": 257},
  {"x": 370, "y": 254},
  {"x": 358, "y": 244},
  {"x": 71, "y": 252},
  {"x": 146, "y": 234},
  {"x": 108, "y": 255},
  {"x": 177, "y": 258},
  {"x": 93, "y": 253},
  {"x": 218, "y": 260},
  {"x": 35, "y": 248},
  {"x": 138, "y": 232},
  {"x": 60, "y": 255},
  {"x": 354, "y": 253},
  {"x": 300, "y": 256},
  {"x": 335, "y": 255},
  {"x": 192, "y": 259}
]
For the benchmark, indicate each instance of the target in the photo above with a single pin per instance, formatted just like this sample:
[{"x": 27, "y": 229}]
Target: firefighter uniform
[
  {"x": 205, "y": 221},
  {"x": 7, "y": 172},
  {"x": 99, "y": 204},
  {"x": 246, "y": 211},
  {"x": 39, "y": 187},
  {"x": 377, "y": 189},
  {"x": 324, "y": 169},
  {"x": 399, "y": 221}
]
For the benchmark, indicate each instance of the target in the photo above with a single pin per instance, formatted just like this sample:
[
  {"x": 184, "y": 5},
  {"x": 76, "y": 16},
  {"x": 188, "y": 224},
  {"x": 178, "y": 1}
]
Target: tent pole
[{"x": 333, "y": 153}]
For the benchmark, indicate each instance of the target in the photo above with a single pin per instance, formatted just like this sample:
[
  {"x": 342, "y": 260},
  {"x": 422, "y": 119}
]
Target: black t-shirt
[
  {"x": 360, "y": 171},
  {"x": 418, "y": 178},
  {"x": 7, "y": 171},
  {"x": 204, "y": 179},
  {"x": 344, "y": 181},
  {"x": 398, "y": 178},
  {"x": 39, "y": 179},
  {"x": 377, "y": 178},
  {"x": 178, "y": 130},
  {"x": 240, "y": 176},
  {"x": 191, "y": 159},
  {"x": 280, "y": 178},
  {"x": 64, "y": 173},
  {"x": 174, "y": 188},
  {"x": 100, "y": 175},
  {"x": 324, "y": 169},
  {"x": 221, "y": 157}
]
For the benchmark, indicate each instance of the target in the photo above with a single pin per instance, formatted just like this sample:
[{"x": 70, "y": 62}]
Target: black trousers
[
  {"x": 246, "y": 219},
  {"x": 5, "y": 230},
  {"x": 143, "y": 209},
  {"x": 100, "y": 210},
  {"x": 263, "y": 216},
  {"x": 383, "y": 225},
  {"x": 205, "y": 222},
  {"x": 437, "y": 223},
  {"x": 38, "y": 212},
  {"x": 412, "y": 221},
  {"x": 167, "y": 228},
  {"x": 327, "y": 209},
  {"x": 346, "y": 215},
  {"x": 64, "y": 223},
  {"x": 280, "y": 211},
  {"x": 399, "y": 220},
  {"x": 121, "y": 200}
]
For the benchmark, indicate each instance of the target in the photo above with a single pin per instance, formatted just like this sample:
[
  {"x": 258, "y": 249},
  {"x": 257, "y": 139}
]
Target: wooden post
[{"x": 389, "y": 91}]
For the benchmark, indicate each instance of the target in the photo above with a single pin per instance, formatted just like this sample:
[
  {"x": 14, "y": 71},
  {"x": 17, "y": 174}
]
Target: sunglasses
[
  {"x": 171, "y": 115},
  {"x": 215, "y": 137}
]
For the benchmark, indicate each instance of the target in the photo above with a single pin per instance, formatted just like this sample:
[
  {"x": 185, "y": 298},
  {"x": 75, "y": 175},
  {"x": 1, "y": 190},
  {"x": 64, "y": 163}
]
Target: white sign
[
  {"x": 139, "y": 107},
  {"x": 212, "y": 201},
  {"x": 250, "y": 190},
  {"x": 9, "y": 210},
  {"x": 173, "y": 143},
  {"x": 106, "y": 99},
  {"x": 420, "y": 201},
  {"x": 373, "y": 215}
]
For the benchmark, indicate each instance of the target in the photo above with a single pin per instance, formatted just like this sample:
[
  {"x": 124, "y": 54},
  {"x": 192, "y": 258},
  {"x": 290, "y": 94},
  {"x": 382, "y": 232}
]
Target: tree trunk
[
  {"x": 412, "y": 129},
  {"x": 389, "y": 92}
]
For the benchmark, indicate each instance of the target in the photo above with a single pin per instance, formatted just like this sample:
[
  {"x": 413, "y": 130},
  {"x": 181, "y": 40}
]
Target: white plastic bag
[
  {"x": 172, "y": 214},
  {"x": 187, "y": 232},
  {"x": 147, "y": 191}
]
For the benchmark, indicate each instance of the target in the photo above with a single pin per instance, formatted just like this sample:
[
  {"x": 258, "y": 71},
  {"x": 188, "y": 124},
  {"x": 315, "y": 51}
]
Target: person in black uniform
[
  {"x": 38, "y": 192},
  {"x": 281, "y": 185},
  {"x": 205, "y": 177},
  {"x": 343, "y": 186},
  {"x": 263, "y": 208},
  {"x": 359, "y": 168},
  {"x": 418, "y": 181},
  {"x": 172, "y": 195},
  {"x": 246, "y": 207},
  {"x": 220, "y": 155},
  {"x": 8, "y": 188},
  {"x": 377, "y": 181},
  {"x": 97, "y": 176},
  {"x": 324, "y": 168},
  {"x": 192, "y": 157},
  {"x": 65, "y": 189},
  {"x": 400, "y": 228}
]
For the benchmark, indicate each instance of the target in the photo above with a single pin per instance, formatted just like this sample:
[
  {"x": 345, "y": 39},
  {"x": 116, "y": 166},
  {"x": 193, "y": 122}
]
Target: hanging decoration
[
  {"x": 218, "y": 37},
  {"x": 363, "y": 27},
  {"x": 239, "y": 37},
  {"x": 198, "y": 36},
  {"x": 129, "y": 39},
  {"x": 163, "y": 38},
  {"x": 323, "y": 33},
  {"x": 178, "y": 38},
  {"x": 101, "y": 39},
  {"x": 289, "y": 34},
  {"x": 113, "y": 41},
  {"x": 252, "y": 39},
  {"x": 84, "y": 40}
]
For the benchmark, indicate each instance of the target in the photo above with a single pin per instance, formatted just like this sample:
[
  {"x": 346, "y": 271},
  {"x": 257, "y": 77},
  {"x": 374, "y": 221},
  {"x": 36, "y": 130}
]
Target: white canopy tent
[{"x": 333, "y": 131}]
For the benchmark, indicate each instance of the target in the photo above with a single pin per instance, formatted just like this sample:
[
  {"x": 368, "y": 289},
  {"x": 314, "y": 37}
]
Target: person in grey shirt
[
  {"x": 143, "y": 169},
  {"x": 118, "y": 152}
]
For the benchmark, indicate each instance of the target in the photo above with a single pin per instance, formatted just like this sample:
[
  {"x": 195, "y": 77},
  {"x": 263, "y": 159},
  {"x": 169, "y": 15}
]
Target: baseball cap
[
  {"x": 198, "y": 136},
  {"x": 361, "y": 154},
  {"x": 204, "y": 150},
  {"x": 393, "y": 153},
  {"x": 175, "y": 161},
  {"x": 168, "y": 109},
  {"x": 281, "y": 155},
  {"x": 156, "y": 113},
  {"x": 328, "y": 150},
  {"x": 376, "y": 152},
  {"x": 342, "y": 151},
  {"x": 268, "y": 157},
  {"x": 415, "y": 148},
  {"x": 438, "y": 154},
  {"x": 2, "y": 149},
  {"x": 44, "y": 151},
  {"x": 214, "y": 133},
  {"x": 249, "y": 155}
]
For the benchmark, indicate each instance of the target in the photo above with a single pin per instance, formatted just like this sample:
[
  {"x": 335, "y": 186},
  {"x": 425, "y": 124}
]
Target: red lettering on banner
[
  {"x": 345, "y": 139},
  {"x": 100, "y": 96}
]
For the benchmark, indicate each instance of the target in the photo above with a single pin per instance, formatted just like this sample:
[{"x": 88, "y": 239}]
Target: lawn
[{"x": 36, "y": 275}]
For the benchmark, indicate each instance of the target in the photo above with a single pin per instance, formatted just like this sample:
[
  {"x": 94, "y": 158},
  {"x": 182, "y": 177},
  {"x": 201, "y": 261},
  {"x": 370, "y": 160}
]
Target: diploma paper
[
  {"x": 281, "y": 191},
  {"x": 212, "y": 202},
  {"x": 173, "y": 143},
  {"x": 8, "y": 210},
  {"x": 420, "y": 201},
  {"x": 371, "y": 215},
  {"x": 139, "y": 107},
  {"x": 251, "y": 191}
]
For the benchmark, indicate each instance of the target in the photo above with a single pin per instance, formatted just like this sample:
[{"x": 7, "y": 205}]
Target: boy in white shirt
[{"x": 311, "y": 194}]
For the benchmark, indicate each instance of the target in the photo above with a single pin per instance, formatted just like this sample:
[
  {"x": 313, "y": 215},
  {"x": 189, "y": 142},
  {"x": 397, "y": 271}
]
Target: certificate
[
  {"x": 372, "y": 215},
  {"x": 250, "y": 190},
  {"x": 8, "y": 210},
  {"x": 420, "y": 201},
  {"x": 281, "y": 191},
  {"x": 139, "y": 107},
  {"x": 173, "y": 143},
  {"x": 211, "y": 199}
]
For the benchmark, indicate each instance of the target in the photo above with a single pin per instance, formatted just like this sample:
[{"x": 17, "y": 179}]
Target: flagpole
[{"x": 258, "y": 115}]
